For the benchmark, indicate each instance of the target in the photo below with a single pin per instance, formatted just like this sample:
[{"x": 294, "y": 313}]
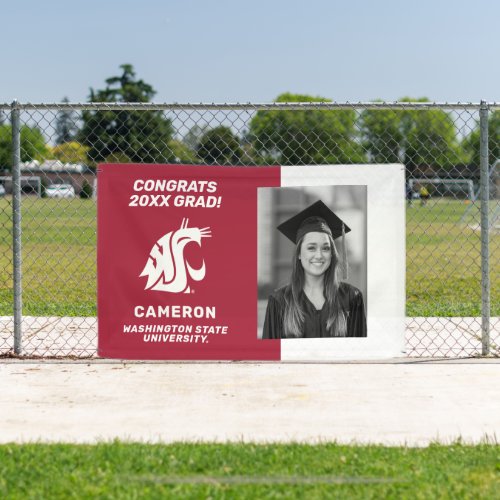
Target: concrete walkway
[{"x": 403, "y": 401}]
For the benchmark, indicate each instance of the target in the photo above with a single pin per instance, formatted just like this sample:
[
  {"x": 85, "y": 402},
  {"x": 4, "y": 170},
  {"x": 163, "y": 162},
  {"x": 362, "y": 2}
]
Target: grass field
[
  {"x": 443, "y": 261},
  {"x": 117, "y": 470},
  {"x": 59, "y": 259}
]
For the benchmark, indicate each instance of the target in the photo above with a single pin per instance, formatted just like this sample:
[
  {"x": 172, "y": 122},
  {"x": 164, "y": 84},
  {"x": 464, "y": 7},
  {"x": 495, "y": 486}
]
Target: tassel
[{"x": 345, "y": 265}]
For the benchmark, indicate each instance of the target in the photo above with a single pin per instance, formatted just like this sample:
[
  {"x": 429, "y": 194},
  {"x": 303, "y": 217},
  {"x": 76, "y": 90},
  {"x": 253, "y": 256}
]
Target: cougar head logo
[{"x": 167, "y": 269}]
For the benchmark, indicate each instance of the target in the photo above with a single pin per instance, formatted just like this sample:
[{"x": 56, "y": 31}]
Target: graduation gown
[{"x": 315, "y": 320}]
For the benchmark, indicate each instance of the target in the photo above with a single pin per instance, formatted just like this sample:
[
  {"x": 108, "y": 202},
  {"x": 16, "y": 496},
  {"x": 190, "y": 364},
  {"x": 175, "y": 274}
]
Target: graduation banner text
[{"x": 177, "y": 193}]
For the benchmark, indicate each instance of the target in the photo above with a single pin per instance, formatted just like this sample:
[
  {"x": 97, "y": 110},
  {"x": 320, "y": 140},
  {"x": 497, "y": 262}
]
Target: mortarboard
[{"x": 316, "y": 218}]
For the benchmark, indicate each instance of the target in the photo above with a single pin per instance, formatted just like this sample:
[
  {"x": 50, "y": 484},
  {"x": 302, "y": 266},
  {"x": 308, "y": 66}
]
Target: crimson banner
[{"x": 177, "y": 262}]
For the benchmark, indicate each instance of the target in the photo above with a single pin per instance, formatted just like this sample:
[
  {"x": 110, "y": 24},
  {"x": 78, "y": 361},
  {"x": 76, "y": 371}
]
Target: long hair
[{"x": 294, "y": 315}]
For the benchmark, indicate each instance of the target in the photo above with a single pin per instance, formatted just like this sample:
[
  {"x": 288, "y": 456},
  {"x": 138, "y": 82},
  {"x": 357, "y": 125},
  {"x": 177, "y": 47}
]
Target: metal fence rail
[{"x": 48, "y": 244}]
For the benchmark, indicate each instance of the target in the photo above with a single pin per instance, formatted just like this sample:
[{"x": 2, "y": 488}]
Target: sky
[{"x": 227, "y": 51}]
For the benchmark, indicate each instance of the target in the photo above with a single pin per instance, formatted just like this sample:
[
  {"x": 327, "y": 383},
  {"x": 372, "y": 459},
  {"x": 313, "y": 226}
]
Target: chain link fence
[{"x": 48, "y": 159}]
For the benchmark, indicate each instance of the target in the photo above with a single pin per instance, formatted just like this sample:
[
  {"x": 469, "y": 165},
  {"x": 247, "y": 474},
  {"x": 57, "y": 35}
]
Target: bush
[
  {"x": 86, "y": 191},
  {"x": 43, "y": 187}
]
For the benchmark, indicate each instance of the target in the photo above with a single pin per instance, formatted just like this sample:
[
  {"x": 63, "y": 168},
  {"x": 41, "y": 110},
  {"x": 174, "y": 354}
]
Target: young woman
[{"x": 315, "y": 303}]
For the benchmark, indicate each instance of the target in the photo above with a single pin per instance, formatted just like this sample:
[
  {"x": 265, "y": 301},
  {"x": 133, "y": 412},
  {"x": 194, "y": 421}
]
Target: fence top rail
[{"x": 293, "y": 106}]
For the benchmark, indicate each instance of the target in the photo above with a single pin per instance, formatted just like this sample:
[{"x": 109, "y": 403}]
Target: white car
[
  {"x": 2, "y": 190},
  {"x": 60, "y": 191}
]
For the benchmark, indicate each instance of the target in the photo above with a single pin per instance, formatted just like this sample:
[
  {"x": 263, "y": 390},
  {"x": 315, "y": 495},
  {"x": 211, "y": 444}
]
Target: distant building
[
  {"x": 53, "y": 166},
  {"x": 55, "y": 172}
]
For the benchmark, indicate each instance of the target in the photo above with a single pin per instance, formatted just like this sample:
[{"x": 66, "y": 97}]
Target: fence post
[
  {"x": 485, "y": 229},
  {"x": 16, "y": 223}
]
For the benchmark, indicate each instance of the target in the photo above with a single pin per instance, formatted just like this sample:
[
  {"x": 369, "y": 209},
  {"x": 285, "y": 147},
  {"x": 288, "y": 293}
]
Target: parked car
[
  {"x": 60, "y": 191},
  {"x": 2, "y": 190}
]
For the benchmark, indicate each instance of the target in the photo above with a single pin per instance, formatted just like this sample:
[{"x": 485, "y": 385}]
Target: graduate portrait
[{"x": 312, "y": 264}]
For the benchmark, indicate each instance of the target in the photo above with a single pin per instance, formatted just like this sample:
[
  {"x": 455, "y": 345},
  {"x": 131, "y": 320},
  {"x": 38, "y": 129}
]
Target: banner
[{"x": 250, "y": 263}]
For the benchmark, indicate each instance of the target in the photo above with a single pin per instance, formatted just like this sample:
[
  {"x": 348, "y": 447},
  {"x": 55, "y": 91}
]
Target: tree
[
  {"x": 382, "y": 135},
  {"x": 181, "y": 152},
  {"x": 219, "y": 146},
  {"x": 193, "y": 136},
  {"x": 413, "y": 137},
  {"x": 471, "y": 144},
  {"x": 430, "y": 139},
  {"x": 306, "y": 137},
  {"x": 117, "y": 157},
  {"x": 33, "y": 145},
  {"x": 71, "y": 152},
  {"x": 141, "y": 136},
  {"x": 66, "y": 127}
]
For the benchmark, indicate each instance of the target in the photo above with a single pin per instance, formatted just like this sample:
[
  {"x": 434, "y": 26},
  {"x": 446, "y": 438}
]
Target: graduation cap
[{"x": 316, "y": 218}]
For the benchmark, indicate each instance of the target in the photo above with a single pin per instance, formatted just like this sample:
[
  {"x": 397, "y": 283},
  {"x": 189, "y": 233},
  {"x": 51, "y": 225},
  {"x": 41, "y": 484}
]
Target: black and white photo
[{"x": 311, "y": 268}]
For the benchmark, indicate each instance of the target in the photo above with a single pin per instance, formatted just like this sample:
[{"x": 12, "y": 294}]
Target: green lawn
[
  {"x": 59, "y": 259},
  {"x": 443, "y": 261},
  {"x": 118, "y": 470}
]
